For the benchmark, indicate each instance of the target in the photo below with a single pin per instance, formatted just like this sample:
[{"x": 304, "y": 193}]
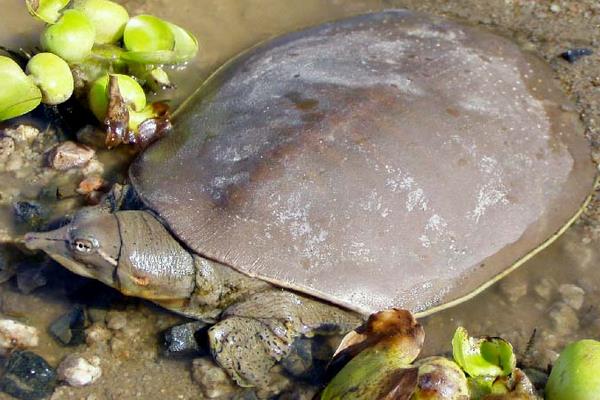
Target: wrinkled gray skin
[{"x": 132, "y": 252}]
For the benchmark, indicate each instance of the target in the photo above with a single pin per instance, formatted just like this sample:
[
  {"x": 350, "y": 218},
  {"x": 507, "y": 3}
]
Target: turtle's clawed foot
[{"x": 249, "y": 351}]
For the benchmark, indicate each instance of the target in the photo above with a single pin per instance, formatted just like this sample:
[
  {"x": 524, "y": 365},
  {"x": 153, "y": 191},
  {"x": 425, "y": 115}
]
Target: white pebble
[
  {"x": 555, "y": 8},
  {"x": 15, "y": 335},
  {"x": 69, "y": 155},
  {"x": 77, "y": 371},
  {"x": 573, "y": 295}
]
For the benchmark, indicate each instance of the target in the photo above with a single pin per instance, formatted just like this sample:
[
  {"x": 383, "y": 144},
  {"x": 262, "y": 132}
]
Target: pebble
[
  {"x": 564, "y": 318},
  {"x": 572, "y": 295},
  {"x": 91, "y": 184},
  {"x": 7, "y": 147},
  {"x": 77, "y": 371},
  {"x": 573, "y": 55},
  {"x": 23, "y": 133},
  {"x": 116, "y": 321},
  {"x": 513, "y": 289},
  {"x": 97, "y": 334},
  {"x": 69, "y": 328},
  {"x": 555, "y": 8},
  {"x": 69, "y": 155},
  {"x": 544, "y": 288},
  {"x": 180, "y": 340},
  {"x": 94, "y": 167},
  {"x": 28, "y": 376},
  {"x": 29, "y": 212},
  {"x": 15, "y": 335},
  {"x": 213, "y": 381}
]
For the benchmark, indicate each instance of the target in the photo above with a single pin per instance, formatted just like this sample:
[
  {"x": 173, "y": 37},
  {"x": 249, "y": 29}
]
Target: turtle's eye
[{"x": 82, "y": 246}]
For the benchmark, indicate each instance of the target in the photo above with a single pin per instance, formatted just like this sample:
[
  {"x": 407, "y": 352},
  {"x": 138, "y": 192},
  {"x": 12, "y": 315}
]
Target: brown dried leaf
[
  {"x": 393, "y": 327},
  {"x": 117, "y": 115}
]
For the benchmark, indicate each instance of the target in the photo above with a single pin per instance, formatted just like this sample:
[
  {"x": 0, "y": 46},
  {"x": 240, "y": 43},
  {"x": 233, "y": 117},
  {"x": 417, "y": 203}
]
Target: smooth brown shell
[{"x": 390, "y": 159}]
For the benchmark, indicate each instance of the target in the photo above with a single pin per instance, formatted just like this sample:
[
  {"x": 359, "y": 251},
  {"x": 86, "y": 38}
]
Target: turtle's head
[
  {"x": 130, "y": 251},
  {"x": 89, "y": 245}
]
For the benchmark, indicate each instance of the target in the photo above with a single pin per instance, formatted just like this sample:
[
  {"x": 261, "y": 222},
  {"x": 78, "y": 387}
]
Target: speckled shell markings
[{"x": 391, "y": 159}]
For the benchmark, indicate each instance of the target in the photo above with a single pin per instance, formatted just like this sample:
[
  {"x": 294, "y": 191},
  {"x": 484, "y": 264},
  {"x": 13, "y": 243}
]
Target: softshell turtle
[{"x": 388, "y": 160}]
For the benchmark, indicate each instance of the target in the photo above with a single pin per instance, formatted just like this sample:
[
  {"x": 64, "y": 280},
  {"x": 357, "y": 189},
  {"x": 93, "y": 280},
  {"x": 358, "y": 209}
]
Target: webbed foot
[{"x": 254, "y": 336}]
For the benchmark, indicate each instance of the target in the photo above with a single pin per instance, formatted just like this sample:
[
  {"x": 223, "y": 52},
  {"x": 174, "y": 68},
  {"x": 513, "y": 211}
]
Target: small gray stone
[
  {"x": 513, "y": 289},
  {"x": 69, "y": 155},
  {"x": 97, "y": 334},
  {"x": 213, "y": 381},
  {"x": 7, "y": 147},
  {"x": 23, "y": 133},
  {"x": 15, "y": 335},
  {"x": 116, "y": 320},
  {"x": 78, "y": 372},
  {"x": 572, "y": 295},
  {"x": 544, "y": 288},
  {"x": 180, "y": 340},
  {"x": 69, "y": 329},
  {"x": 564, "y": 318}
]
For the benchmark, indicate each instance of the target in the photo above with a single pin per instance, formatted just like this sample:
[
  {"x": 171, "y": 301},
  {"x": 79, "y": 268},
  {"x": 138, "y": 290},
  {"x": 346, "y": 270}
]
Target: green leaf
[
  {"x": 440, "y": 379},
  {"x": 71, "y": 37},
  {"x": 484, "y": 357},
  {"x": 576, "y": 373},
  {"x": 146, "y": 34},
  {"x": 150, "y": 57},
  {"x": 19, "y": 94},
  {"x": 46, "y": 10},
  {"x": 53, "y": 76},
  {"x": 186, "y": 44},
  {"x": 379, "y": 352},
  {"x": 109, "y": 19}
]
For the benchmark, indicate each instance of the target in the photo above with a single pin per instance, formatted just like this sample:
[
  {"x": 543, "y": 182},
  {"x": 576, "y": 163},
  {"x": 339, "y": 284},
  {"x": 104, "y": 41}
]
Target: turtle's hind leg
[{"x": 255, "y": 335}]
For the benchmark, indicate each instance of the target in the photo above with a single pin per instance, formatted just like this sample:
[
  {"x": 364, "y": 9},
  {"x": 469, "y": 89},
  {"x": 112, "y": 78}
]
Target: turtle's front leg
[{"x": 253, "y": 336}]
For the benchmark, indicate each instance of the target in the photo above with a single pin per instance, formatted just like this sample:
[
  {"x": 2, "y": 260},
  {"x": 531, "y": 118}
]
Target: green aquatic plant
[
  {"x": 576, "y": 373},
  {"x": 46, "y": 10},
  {"x": 147, "y": 33},
  {"x": 19, "y": 93},
  {"x": 150, "y": 40},
  {"x": 381, "y": 353},
  {"x": 485, "y": 360},
  {"x": 107, "y": 17},
  {"x": 440, "y": 379},
  {"x": 84, "y": 54},
  {"x": 53, "y": 77},
  {"x": 71, "y": 37}
]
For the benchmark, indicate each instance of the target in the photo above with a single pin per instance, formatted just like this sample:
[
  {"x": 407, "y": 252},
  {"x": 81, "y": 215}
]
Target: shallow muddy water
[{"x": 547, "y": 302}]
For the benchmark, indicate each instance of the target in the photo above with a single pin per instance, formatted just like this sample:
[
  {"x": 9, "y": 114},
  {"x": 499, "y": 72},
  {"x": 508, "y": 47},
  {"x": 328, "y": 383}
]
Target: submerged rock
[
  {"x": 181, "y": 340},
  {"x": 29, "y": 212},
  {"x": 69, "y": 329},
  {"x": 28, "y": 376},
  {"x": 77, "y": 371},
  {"x": 573, "y": 55},
  {"x": 15, "y": 335},
  {"x": 69, "y": 155},
  {"x": 212, "y": 379},
  {"x": 573, "y": 295}
]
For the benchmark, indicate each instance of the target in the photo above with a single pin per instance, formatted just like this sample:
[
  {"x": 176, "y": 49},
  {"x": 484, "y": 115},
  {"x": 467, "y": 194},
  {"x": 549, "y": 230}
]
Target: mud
[{"x": 549, "y": 301}]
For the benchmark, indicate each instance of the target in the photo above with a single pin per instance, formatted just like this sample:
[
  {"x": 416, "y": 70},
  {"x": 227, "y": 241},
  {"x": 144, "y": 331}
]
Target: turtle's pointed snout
[
  {"x": 43, "y": 240},
  {"x": 32, "y": 240}
]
